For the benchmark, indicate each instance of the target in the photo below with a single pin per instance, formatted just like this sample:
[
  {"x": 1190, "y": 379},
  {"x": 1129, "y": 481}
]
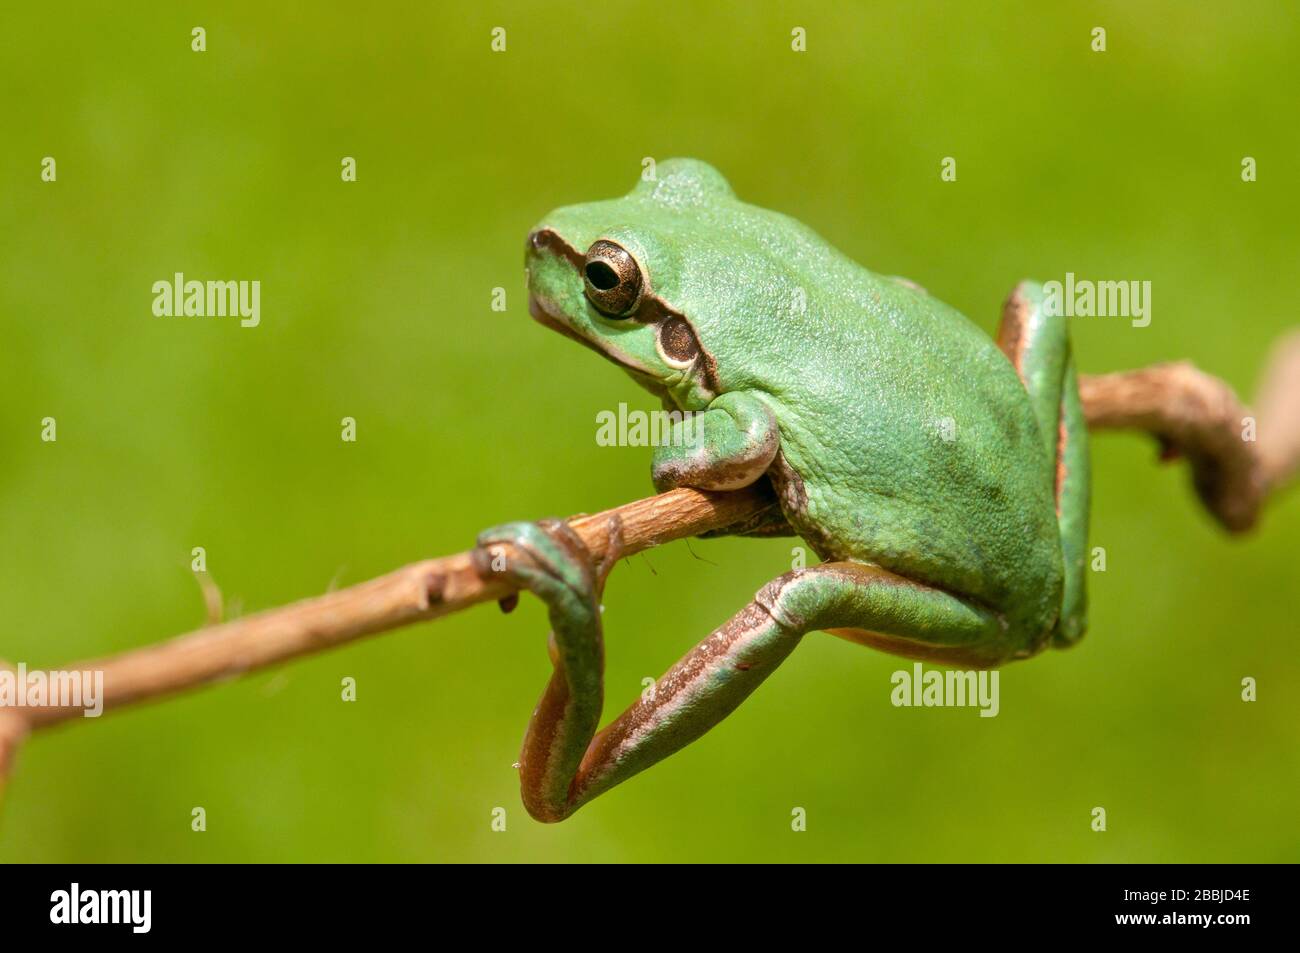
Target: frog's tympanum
[{"x": 942, "y": 479}]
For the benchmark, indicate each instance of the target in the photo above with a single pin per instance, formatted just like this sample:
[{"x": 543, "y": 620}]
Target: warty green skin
[{"x": 921, "y": 463}]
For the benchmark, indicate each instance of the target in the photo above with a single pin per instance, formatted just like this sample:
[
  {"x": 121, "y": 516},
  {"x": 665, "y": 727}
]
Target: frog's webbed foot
[
  {"x": 546, "y": 557},
  {"x": 726, "y": 447}
]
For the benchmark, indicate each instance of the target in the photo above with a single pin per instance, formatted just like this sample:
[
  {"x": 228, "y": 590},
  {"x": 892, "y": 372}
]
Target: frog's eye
[
  {"x": 677, "y": 343},
  {"x": 612, "y": 278}
]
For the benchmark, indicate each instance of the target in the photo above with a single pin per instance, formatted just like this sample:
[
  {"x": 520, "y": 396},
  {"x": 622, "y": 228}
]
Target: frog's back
[
  {"x": 934, "y": 466},
  {"x": 908, "y": 439}
]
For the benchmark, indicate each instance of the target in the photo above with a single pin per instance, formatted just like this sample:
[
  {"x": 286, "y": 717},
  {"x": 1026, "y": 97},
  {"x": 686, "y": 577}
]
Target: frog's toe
[{"x": 545, "y": 557}]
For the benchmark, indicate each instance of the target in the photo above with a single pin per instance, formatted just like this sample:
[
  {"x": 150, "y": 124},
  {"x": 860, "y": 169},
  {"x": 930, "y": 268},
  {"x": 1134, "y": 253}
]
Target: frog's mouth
[{"x": 544, "y": 316}]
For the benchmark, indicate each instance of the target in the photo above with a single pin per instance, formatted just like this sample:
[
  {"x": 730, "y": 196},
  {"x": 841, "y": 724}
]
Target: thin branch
[
  {"x": 1193, "y": 415},
  {"x": 1237, "y": 457},
  {"x": 415, "y": 593}
]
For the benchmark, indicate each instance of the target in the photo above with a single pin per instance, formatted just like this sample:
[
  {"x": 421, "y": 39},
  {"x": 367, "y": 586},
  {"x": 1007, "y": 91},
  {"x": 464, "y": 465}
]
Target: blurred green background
[{"x": 175, "y": 433}]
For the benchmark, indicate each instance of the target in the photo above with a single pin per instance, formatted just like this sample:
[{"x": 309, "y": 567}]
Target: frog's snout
[
  {"x": 545, "y": 240},
  {"x": 543, "y": 247}
]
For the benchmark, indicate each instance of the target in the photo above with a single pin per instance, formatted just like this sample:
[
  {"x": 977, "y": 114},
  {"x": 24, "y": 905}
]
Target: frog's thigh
[
  {"x": 718, "y": 674},
  {"x": 874, "y": 607},
  {"x": 1038, "y": 345}
]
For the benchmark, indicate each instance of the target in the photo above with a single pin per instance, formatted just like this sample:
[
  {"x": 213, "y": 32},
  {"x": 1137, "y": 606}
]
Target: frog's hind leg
[
  {"x": 711, "y": 680},
  {"x": 566, "y": 763},
  {"x": 1038, "y": 345}
]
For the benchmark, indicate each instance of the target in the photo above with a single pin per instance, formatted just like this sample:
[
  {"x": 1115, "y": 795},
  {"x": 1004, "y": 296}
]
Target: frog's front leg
[
  {"x": 726, "y": 447},
  {"x": 565, "y": 763}
]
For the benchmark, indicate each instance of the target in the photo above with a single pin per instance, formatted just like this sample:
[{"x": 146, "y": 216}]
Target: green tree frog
[{"x": 942, "y": 479}]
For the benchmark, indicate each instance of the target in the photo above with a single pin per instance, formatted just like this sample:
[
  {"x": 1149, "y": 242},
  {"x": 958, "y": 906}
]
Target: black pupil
[{"x": 601, "y": 275}]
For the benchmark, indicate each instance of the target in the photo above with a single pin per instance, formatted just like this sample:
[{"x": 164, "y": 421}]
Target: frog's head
[{"x": 665, "y": 281}]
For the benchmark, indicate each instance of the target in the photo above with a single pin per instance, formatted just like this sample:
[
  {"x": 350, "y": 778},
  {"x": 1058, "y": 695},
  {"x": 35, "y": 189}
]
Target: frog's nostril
[{"x": 538, "y": 239}]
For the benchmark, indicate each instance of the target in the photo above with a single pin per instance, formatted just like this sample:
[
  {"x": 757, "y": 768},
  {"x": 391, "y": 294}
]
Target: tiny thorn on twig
[
  {"x": 214, "y": 605},
  {"x": 435, "y": 584},
  {"x": 336, "y": 578}
]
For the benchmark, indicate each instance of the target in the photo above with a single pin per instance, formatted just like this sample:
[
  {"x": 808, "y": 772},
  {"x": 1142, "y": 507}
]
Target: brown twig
[
  {"x": 1191, "y": 413},
  {"x": 415, "y": 593},
  {"x": 1237, "y": 457}
]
